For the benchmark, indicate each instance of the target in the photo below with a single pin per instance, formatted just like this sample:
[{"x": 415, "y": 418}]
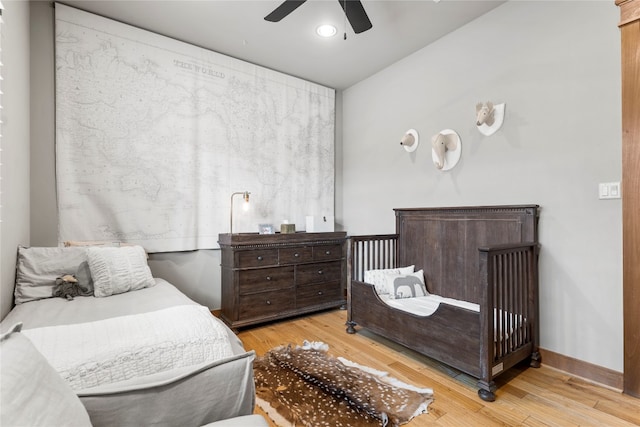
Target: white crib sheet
[{"x": 427, "y": 305}]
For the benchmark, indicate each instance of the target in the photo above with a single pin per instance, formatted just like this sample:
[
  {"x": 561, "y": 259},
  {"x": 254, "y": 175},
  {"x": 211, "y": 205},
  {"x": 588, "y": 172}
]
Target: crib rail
[
  {"x": 371, "y": 252},
  {"x": 511, "y": 314}
]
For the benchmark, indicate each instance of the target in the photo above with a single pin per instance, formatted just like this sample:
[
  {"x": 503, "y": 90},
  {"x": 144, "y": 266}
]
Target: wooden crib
[{"x": 486, "y": 255}]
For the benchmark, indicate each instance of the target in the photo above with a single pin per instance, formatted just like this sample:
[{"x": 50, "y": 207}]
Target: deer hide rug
[{"x": 304, "y": 386}]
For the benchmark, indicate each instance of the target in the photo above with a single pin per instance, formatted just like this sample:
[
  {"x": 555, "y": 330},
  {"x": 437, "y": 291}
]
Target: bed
[
  {"x": 477, "y": 309},
  {"x": 142, "y": 352}
]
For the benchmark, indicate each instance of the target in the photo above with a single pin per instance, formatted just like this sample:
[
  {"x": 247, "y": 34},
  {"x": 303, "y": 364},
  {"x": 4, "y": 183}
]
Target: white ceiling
[{"x": 237, "y": 28}]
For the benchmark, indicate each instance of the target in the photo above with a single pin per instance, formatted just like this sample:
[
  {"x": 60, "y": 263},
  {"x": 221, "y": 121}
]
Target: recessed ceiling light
[{"x": 326, "y": 30}]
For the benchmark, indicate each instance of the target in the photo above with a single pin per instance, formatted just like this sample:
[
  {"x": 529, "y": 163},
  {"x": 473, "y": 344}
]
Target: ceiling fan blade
[
  {"x": 356, "y": 15},
  {"x": 283, "y": 10}
]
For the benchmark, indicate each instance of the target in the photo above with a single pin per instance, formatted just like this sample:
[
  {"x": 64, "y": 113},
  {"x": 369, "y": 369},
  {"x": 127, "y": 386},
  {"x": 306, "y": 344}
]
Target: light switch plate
[{"x": 609, "y": 190}]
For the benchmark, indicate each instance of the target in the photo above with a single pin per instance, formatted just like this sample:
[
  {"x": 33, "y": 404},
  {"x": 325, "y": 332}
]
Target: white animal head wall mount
[
  {"x": 489, "y": 117},
  {"x": 484, "y": 113},
  {"x": 410, "y": 140},
  {"x": 446, "y": 148}
]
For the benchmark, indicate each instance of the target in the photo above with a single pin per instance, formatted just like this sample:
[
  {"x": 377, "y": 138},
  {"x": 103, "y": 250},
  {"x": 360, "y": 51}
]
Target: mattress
[
  {"x": 56, "y": 311},
  {"x": 426, "y": 305},
  {"x": 187, "y": 395}
]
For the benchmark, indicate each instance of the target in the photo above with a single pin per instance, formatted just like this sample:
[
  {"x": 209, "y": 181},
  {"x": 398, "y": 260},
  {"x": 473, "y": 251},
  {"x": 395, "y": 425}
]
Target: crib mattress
[{"x": 426, "y": 305}]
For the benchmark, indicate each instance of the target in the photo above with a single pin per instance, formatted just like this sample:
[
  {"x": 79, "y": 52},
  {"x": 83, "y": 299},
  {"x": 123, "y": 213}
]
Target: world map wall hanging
[{"x": 153, "y": 135}]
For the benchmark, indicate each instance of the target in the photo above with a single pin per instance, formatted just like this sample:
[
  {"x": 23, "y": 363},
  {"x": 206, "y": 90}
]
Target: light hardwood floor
[{"x": 525, "y": 397}]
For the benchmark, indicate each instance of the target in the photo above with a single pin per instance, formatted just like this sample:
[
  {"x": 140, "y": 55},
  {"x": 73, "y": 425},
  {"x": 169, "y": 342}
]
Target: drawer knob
[
  {"x": 320, "y": 272},
  {"x": 327, "y": 252},
  {"x": 268, "y": 277},
  {"x": 268, "y": 302},
  {"x": 319, "y": 292},
  {"x": 259, "y": 257},
  {"x": 296, "y": 255}
]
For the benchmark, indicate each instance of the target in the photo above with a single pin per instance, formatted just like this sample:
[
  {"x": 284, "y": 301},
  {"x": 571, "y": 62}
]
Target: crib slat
[
  {"x": 372, "y": 252},
  {"x": 512, "y": 281}
]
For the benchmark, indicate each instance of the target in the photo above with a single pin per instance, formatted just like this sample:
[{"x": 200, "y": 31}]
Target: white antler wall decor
[{"x": 489, "y": 117}]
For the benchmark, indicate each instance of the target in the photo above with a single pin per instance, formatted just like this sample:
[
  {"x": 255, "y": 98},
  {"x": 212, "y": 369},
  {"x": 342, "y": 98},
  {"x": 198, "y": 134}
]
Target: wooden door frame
[{"x": 630, "y": 40}]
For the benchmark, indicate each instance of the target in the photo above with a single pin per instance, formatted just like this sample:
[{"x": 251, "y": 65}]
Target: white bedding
[
  {"x": 94, "y": 353},
  {"x": 427, "y": 305},
  {"x": 189, "y": 396}
]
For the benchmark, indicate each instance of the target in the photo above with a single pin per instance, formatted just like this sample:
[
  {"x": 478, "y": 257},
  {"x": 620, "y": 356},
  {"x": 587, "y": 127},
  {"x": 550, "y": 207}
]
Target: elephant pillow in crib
[
  {"x": 378, "y": 278},
  {"x": 406, "y": 285}
]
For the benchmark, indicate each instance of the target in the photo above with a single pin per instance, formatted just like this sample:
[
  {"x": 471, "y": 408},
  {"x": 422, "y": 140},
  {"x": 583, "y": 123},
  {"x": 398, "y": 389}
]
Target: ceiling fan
[{"x": 353, "y": 9}]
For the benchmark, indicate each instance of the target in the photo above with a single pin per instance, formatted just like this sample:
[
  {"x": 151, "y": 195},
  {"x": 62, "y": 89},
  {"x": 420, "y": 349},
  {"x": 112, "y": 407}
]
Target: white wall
[
  {"x": 44, "y": 215},
  {"x": 14, "y": 229},
  {"x": 556, "y": 65}
]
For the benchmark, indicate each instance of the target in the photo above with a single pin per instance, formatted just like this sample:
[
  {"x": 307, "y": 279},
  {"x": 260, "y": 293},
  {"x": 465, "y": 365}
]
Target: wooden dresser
[{"x": 272, "y": 276}]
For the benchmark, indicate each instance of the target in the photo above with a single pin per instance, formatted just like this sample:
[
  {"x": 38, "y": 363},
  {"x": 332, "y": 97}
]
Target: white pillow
[
  {"x": 32, "y": 393},
  {"x": 116, "y": 270},
  {"x": 406, "y": 285},
  {"x": 378, "y": 277},
  {"x": 38, "y": 267}
]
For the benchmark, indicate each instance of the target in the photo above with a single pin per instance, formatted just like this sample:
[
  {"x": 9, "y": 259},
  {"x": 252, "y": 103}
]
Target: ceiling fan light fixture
[{"x": 326, "y": 30}]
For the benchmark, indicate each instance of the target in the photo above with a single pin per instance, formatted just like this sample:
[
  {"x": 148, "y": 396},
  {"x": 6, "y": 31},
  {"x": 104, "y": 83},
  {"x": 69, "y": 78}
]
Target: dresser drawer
[
  {"x": 265, "y": 279},
  {"x": 295, "y": 255},
  {"x": 318, "y": 273},
  {"x": 269, "y": 277},
  {"x": 327, "y": 252},
  {"x": 257, "y": 258},
  {"x": 266, "y": 303},
  {"x": 318, "y": 294}
]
